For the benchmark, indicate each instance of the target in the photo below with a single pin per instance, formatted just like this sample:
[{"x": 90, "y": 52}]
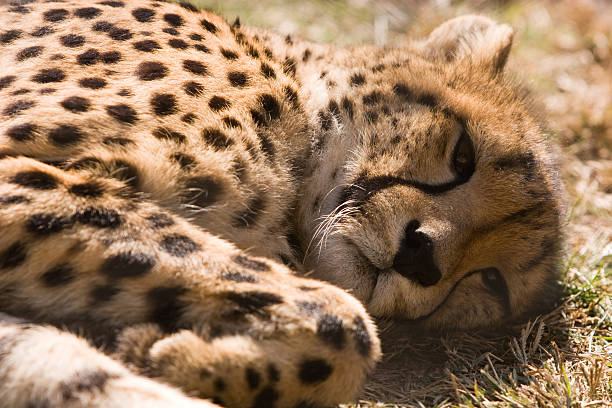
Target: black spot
[
  {"x": 163, "y": 104},
  {"x": 331, "y": 330},
  {"x": 253, "y": 301},
  {"x": 202, "y": 47},
  {"x": 196, "y": 37},
  {"x": 92, "y": 83},
  {"x": 270, "y": 105},
  {"x": 168, "y": 134},
  {"x": 173, "y": 19},
  {"x": 314, "y": 371},
  {"x": 253, "y": 378},
  {"x": 216, "y": 138},
  {"x": 188, "y": 6},
  {"x": 189, "y": 118},
  {"x": 170, "y": 30},
  {"x": 126, "y": 172},
  {"x": 58, "y": 276},
  {"x": 143, "y": 15},
  {"x": 371, "y": 116},
  {"x": 208, "y": 26},
  {"x": 333, "y": 108},
  {"x": 87, "y": 12},
  {"x": 117, "y": 141},
  {"x": 202, "y": 191},
  {"x": 113, "y": 3},
  {"x": 18, "y": 107},
  {"x": 252, "y": 51},
  {"x": 183, "y": 160},
  {"x": 218, "y": 103},
  {"x": 160, "y": 220},
  {"x": 46, "y": 223},
  {"x": 166, "y": 307},
  {"x": 122, "y": 112},
  {"x": 19, "y": 9},
  {"x": 292, "y": 96},
  {"x": 89, "y": 57},
  {"x": 90, "y": 189},
  {"x": 49, "y": 75},
  {"x": 266, "y": 398},
  {"x": 239, "y": 79},
  {"x": 84, "y": 163},
  {"x": 103, "y": 26},
  {"x": 54, "y": 15},
  {"x": 127, "y": 265},
  {"x": 232, "y": 123},
  {"x": 237, "y": 277},
  {"x": 309, "y": 308},
  {"x": 427, "y": 99},
  {"x": 179, "y": 245},
  {"x": 42, "y": 31},
  {"x": 103, "y": 293},
  {"x": 362, "y": 337},
  {"x": 6, "y": 81},
  {"x": 110, "y": 57},
  {"x": 75, "y": 104},
  {"x": 193, "y": 88},
  {"x": 371, "y": 98},
  {"x": 10, "y": 36},
  {"x": 38, "y": 180},
  {"x": 13, "y": 256},
  {"x": 13, "y": 199},
  {"x": 326, "y": 120},
  {"x": 72, "y": 40},
  {"x": 289, "y": 66},
  {"x": 229, "y": 54},
  {"x": 100, "y": 218},
  {"x": 273, "y": 373},
  {"x": 146, "y": 45},
  {"x": 306, "y": 55},
  {"x": 249, "y": 217},
  {"x": 219, "y": 385},
  {"x": 378, "y": 68},
  {"x": 125, "y": 92},
  {"x": 250, "y": 263},
  {"x": 22, "y": 91},
  {"x": 357, "y": 79},
  {"x": 178, "y": 43},
  {"x": 151, "y": 70},
  {"x": 90, "y": 381},
  {"x": 267, "y": 71},
  {"x": 120, "y": 34},
  {"x": 29, "y": 52},
  {"x": 195, "y": 67}
]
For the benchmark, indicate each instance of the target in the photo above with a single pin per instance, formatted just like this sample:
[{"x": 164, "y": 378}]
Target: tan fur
[{"x": 149, "y": 208}]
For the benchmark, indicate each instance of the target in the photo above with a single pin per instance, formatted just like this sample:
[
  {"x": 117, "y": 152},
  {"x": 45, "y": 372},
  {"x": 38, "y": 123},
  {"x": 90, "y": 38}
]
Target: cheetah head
[{"x": 447, "y": 207}]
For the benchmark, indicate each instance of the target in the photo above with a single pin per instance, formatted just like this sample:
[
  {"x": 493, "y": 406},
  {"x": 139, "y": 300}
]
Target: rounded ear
[{"x": 477, "y": 38}]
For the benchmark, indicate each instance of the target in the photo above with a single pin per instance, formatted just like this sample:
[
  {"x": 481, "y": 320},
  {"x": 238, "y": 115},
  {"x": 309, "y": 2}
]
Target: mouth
[{"x": 377, "y": 276}]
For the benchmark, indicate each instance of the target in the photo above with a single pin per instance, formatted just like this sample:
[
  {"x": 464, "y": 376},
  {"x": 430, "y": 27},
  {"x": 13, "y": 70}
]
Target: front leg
[
  {"x": 79, "y": 248},
  {"x": 44, "y": 367}
]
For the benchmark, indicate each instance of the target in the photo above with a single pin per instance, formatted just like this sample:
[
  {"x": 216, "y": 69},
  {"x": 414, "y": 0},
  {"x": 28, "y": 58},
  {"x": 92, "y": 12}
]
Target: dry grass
[{"x": 563, "y": 49}]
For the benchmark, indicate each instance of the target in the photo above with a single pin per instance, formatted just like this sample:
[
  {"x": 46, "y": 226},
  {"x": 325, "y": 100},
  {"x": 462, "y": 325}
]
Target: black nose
[{"x": 414, "y": 259}]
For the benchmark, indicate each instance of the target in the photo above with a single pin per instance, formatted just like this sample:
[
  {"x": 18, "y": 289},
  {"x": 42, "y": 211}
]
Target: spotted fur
[{"x": 164, "y": 175}]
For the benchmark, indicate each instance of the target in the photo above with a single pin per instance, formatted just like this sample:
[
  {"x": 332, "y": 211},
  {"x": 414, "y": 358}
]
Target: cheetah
[{"x": 196, "y": 213}]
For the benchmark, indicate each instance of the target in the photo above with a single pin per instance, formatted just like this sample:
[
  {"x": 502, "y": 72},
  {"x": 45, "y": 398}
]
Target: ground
[{"x": 563, "y": 49}]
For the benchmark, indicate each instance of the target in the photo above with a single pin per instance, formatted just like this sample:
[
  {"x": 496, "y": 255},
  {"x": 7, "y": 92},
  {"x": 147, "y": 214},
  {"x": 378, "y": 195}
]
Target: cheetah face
[{"x": 449, "y": 211}]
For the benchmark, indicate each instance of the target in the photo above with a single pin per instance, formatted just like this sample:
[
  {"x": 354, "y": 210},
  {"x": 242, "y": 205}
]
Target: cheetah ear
[{"x": 475, "y": 38}]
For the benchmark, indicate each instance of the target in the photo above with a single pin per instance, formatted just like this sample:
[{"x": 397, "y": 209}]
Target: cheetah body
[{"x": 167, "y": 178}]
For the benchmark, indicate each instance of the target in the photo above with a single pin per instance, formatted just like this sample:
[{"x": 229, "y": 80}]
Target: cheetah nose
[{"x": 414, "y": 260}]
